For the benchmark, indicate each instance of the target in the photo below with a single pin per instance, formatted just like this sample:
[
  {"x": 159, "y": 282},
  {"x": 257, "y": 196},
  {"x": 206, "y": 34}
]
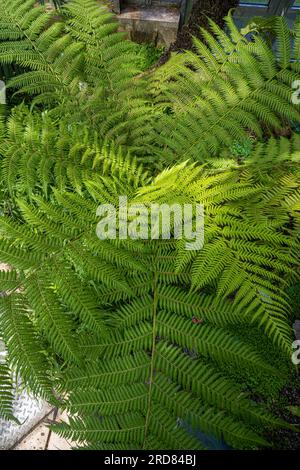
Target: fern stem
[{"x": 155, "y": 303}]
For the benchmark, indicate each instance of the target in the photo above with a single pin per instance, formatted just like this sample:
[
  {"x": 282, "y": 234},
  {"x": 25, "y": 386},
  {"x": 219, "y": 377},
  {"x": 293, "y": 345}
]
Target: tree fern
[
  {"x": 135, "y": 336},
  {"x": 120, "y": 320}
]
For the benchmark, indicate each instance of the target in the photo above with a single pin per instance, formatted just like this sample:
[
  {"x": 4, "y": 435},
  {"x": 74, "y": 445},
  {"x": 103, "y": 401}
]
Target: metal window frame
[{"x": 272, "y": 8}]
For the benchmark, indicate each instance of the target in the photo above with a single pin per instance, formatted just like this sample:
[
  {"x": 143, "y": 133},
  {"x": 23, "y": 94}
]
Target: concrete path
[{"x": 41, "y": 438}]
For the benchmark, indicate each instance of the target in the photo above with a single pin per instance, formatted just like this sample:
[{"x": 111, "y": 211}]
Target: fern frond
[
  {"x": 6, "y": 392},
  {"x": 26, "y": 355},
  {"x": 237, "y": 87}
]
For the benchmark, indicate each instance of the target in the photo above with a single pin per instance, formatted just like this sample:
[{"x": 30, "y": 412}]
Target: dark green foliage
[
  {"x": 80, "y": 62},
  {"x": 149, "y": 55}
]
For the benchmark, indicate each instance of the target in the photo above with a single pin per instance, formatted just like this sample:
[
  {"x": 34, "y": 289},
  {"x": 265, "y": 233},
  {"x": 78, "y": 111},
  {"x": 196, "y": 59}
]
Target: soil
[{"x": 216, "y": 10}]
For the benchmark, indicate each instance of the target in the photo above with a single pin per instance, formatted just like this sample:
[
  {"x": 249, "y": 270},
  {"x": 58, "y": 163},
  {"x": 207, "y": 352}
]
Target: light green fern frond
[{"x": 140, "y": 340}]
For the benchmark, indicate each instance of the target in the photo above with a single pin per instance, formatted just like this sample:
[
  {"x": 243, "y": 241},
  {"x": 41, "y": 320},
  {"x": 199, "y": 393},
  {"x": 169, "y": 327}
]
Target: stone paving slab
[
  {"x": 41, "y": 438},
  {"x": 36, "y": 440}
]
